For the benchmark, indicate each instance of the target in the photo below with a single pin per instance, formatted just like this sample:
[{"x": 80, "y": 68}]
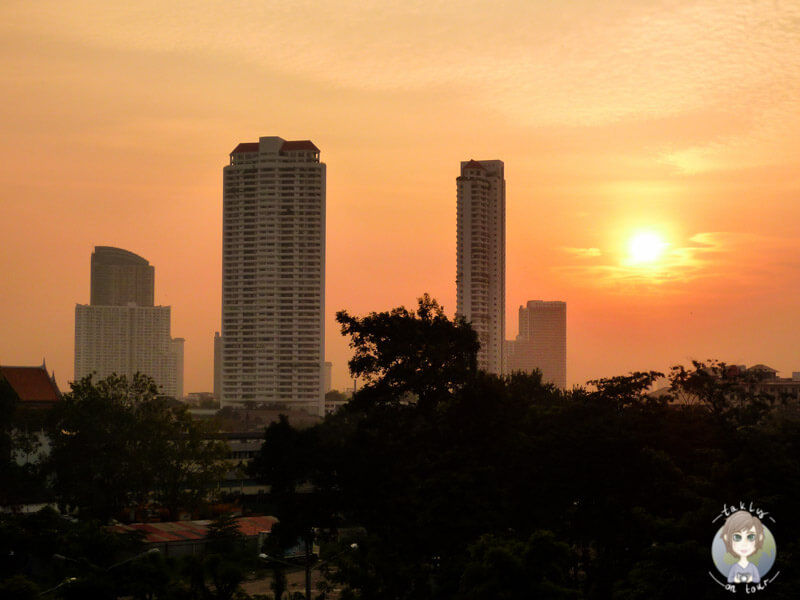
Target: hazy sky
[{"x": 613, "y": 118}]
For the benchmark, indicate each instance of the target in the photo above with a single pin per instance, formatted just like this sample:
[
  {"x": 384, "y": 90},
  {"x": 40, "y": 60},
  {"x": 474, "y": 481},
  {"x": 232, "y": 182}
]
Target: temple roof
[{"x": 32, "y": 384}]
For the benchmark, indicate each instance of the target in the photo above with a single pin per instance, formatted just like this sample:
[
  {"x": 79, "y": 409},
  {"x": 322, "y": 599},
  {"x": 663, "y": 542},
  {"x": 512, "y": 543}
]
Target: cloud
[
  {"x": 583, "y": 252},
  {"x": 580, "y": 62},
  {"x": 723, "y": 261},
  {"x": 538, "y": 64}
]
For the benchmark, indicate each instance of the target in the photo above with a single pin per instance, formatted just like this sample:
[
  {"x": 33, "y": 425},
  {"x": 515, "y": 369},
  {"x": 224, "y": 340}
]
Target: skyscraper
[
  {"x": 121, "y": 331},
  {"x": 542, "y": 341},
  {"x": 120, "y": 277},
  {"x": 481, "y": 257},
  {"x": 273, "y": 275}
]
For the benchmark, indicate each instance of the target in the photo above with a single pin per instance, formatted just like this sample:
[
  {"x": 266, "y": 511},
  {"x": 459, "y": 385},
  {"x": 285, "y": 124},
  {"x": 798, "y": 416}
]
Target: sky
[{"x": 677, "y": 120}]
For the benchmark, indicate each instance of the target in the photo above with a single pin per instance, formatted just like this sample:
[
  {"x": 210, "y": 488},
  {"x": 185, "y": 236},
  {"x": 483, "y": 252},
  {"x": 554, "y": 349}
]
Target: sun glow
[{"x": 645, "y": 247}]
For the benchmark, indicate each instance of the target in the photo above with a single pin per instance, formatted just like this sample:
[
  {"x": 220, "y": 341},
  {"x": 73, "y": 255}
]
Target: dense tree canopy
[
  {"x": 116, "y": 443},
  {"x": 513, "y": 489}
]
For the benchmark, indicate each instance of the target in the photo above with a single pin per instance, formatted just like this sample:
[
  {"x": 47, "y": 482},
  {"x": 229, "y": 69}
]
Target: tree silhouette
[
  {"x": 115, "y": 441},
  {"x": 401, "y": 352}
]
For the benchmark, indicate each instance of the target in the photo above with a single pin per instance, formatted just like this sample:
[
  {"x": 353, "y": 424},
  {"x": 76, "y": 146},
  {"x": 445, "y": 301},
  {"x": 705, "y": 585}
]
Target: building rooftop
[
  {"x": 299, "y": 145},
  {"x": 192, "y": 530},
  {"x": 288, "y": 146},
  {"x": 474, "y": 164},
  {"x": 110, "y": 255},
  {"x": 33, "y": 385},
  {"x": 246, "y": 147}
]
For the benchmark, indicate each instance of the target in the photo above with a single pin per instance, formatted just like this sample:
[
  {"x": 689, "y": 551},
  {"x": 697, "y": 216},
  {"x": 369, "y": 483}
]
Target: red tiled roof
[
  {"x": 299, "y": 145},
  {"x": 32, "y": 384},
  {"x": 246, "y": 147},
  {"x": 174, "y": 531},
  {"x": 473, "y": 164}
]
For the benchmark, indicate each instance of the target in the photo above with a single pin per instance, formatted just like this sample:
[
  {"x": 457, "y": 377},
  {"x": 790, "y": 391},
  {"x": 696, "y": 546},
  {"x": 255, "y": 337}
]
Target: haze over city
[{"x": 650, "y": 155}]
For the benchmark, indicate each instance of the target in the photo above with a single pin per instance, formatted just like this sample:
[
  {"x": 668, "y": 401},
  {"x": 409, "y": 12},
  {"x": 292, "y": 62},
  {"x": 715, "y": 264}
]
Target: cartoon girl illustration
[{"x": 743, "y": 535}]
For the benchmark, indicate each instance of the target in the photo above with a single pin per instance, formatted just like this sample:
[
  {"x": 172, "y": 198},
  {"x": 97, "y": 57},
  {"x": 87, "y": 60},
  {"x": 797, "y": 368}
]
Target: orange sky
[{"x": 681, "y": 117}]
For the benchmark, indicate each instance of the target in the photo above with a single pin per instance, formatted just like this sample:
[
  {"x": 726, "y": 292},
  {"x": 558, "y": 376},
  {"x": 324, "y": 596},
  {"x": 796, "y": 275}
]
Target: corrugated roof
[
  {"x": 32, "y": 384},
  {"x": 174, "y": 531}
]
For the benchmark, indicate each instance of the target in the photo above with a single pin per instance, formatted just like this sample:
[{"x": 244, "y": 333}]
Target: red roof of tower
[
  {"x": 299, "y": 145},
  {"x": 288, "y": 146},
  {"x": 246, "y": 147}
]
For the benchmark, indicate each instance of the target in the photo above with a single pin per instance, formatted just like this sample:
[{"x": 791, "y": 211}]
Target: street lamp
[{"x": 308, "y": 566}]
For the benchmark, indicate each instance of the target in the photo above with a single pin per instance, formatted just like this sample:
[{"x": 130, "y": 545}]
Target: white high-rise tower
[
  {"x": 481, "y": 257},
  {"x": 273, "y": 275}
]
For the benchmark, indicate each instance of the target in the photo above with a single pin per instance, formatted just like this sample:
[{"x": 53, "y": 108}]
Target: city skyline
[{"x": 614, "y": 120}]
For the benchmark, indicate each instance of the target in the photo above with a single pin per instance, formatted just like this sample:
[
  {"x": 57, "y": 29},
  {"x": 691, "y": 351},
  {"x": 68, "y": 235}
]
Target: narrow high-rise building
[
  {"x": 121, "y": 331},
  {"x": 542, "y": 341},
  {"x": 273, "y": 275},
  {"x": 481, "y": 257}
]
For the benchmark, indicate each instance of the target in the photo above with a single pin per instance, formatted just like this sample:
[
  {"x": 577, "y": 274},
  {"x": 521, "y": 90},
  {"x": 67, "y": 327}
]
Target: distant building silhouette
[
  {"x": 126, "y": 337},
  {"x": 541, "y": 342},
  {"x": 120, "y": 278},
  {"x": 328, "y": 385},
  {"x": 481, "y": 256},
  {"x": 273, "y": 275},
  {"x": 217, "y": 366}
]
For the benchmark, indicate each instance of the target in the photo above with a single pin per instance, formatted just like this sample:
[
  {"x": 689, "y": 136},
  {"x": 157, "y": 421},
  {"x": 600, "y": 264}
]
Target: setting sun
[{"x": 646, "y": 247}]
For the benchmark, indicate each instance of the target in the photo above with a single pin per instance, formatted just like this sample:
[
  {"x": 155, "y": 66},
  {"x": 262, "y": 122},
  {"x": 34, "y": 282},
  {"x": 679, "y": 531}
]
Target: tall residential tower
[
  {"x": 481, "y": 257},
  {"x": 273, "y": 275}
]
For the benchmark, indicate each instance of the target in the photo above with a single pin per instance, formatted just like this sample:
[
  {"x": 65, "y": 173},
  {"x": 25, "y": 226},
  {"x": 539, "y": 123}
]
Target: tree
[
  {"x": 723, "y": 391},
  {"x": 422, "y": 353},
  {"x": 74, "y": 555},
  {"x": 18, "y": 587},
  {"x": 191, "y": 463},
  {"x": 115, "y": 442},
  {"x": 624, "y": 391},
  {"x": 8, "y": 406},
  {"x": 508, "y": 568},
  {"x": 94, "y": 437},
  {"x": 288, "y": 459}
]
